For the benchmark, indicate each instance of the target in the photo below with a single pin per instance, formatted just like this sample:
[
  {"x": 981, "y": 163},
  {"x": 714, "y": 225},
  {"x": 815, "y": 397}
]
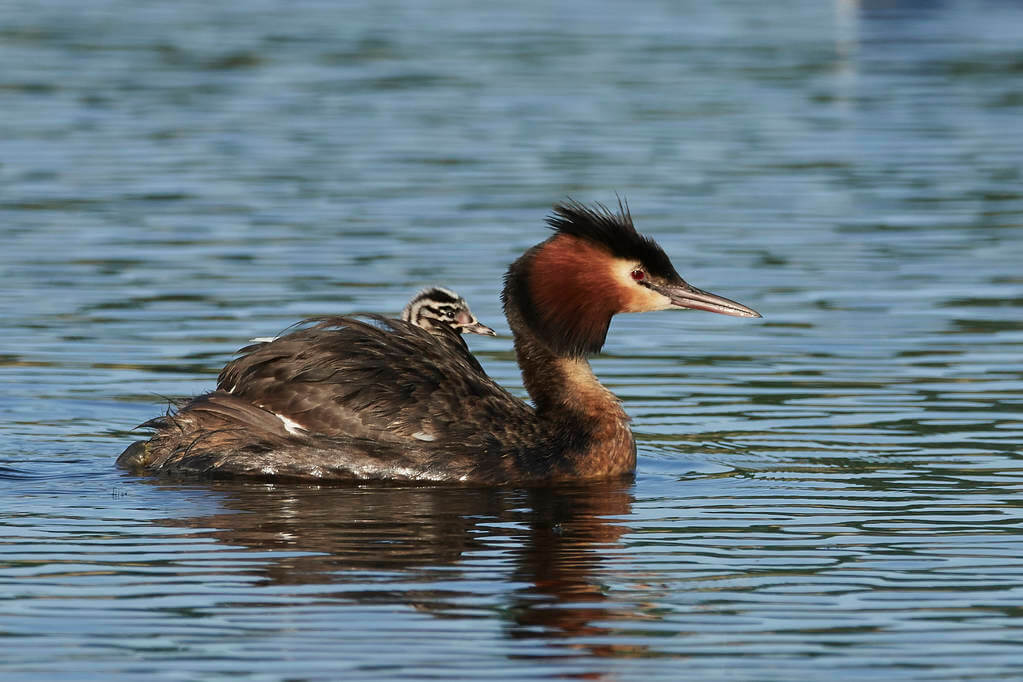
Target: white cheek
[
  {"x": 661, "y": 301},
  {"x": 639, "y": 298},
  {"x": 647, "y": 300}
]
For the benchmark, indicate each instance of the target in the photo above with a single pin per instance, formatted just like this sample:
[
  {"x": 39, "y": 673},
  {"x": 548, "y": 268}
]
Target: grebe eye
[{"x": 638, "y": 275}]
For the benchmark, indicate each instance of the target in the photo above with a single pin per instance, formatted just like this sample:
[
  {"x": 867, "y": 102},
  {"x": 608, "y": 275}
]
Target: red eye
[{"x": 638, "y": 275}]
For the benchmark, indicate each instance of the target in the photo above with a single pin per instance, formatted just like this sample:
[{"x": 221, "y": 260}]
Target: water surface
[{"x": 832, "y": 491}]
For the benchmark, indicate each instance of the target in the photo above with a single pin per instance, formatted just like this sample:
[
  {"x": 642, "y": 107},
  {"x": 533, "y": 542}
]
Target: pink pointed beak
[{"x": 685, "y": 296}]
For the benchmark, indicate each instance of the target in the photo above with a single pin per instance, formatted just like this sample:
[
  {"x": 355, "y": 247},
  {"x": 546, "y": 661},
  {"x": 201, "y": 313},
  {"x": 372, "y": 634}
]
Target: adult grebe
[{"x": 349, "y": 400}]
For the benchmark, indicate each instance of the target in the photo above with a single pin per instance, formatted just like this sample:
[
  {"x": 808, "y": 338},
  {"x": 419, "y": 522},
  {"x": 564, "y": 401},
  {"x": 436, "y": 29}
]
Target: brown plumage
[{"x": 379, "y": 399}]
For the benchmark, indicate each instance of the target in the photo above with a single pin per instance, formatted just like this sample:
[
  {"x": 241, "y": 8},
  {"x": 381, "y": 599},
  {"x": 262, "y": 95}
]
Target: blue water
[{"x": 834, "y": 492}]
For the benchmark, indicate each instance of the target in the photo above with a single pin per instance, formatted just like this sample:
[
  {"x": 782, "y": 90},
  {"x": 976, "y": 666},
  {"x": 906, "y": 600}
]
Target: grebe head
[
  {"x": 567, "y": 288},
  {"x": 435, "y": 308}
]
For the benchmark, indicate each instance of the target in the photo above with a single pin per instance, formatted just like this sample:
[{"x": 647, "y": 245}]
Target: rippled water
[{"x": 833, "y": 492}]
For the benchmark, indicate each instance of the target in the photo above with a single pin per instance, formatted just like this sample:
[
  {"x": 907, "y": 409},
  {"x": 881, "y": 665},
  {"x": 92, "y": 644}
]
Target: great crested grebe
[{"x": 350, "y": 400}]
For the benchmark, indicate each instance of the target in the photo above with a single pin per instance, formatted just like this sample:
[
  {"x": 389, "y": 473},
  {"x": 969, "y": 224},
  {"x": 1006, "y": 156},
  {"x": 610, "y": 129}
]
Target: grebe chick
[
  {"x": 351, "y": 400},
  {"x": 437, "y": 308}
]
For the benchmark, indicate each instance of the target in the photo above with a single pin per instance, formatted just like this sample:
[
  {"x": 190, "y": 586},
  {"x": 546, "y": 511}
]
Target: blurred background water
[{"x": 834, "y": 491}]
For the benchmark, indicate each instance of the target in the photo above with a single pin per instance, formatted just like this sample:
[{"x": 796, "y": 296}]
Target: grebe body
[{"x": 346, "y": 399}]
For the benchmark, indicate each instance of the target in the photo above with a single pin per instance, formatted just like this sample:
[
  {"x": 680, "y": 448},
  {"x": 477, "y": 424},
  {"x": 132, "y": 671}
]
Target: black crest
[
  {"x": 438, "y": 295},
  {"x": 614, "y": 231}
]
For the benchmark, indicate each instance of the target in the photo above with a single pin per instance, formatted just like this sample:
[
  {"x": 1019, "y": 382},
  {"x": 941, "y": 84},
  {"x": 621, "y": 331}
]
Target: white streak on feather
[{"x": 290, "y": 425}]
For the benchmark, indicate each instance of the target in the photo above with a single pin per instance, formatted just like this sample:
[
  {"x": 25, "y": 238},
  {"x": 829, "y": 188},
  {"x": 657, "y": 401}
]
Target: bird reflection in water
[{"x": 550, "y": 544}]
